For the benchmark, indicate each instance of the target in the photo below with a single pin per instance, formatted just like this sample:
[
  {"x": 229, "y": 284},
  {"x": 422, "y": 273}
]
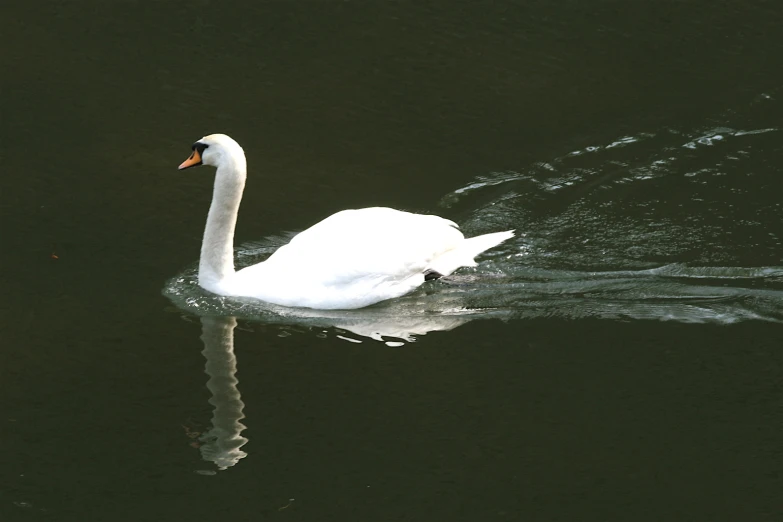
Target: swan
[{"x": 351, "y": 259}]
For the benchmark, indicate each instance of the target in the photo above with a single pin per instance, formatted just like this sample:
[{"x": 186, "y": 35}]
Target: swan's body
[{"x": 351, "y": 259}]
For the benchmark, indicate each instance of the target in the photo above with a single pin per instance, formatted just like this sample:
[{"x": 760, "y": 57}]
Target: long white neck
[{"x": 217, "y": 248}]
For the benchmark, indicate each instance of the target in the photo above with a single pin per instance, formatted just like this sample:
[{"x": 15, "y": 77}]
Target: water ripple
[{"x": 670, "y": 224}]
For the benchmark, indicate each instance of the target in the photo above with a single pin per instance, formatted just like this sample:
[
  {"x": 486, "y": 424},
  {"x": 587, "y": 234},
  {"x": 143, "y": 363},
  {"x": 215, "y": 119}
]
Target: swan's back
[
  {"x": 355, "y": 258},
  {"x": 372, "y": 241}
]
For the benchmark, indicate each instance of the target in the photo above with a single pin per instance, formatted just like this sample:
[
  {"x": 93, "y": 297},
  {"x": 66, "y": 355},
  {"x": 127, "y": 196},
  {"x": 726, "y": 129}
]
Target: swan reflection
[
  {"x": 674, "y": 293},
  {"x": 222, "y": 442}
]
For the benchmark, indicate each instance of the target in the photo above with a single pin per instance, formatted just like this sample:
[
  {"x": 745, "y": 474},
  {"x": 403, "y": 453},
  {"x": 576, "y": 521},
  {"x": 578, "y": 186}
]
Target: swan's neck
[{"x": 217, "y": 248}]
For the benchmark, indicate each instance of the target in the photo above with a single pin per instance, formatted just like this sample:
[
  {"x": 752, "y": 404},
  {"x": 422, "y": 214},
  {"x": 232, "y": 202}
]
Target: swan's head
[{"x": 214, "y": 150}]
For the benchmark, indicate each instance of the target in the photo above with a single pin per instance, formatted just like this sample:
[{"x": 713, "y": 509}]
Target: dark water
[{"x": 620, "y": 359}]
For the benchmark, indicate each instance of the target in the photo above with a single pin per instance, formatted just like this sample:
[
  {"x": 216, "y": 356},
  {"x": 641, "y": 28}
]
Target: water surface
[{"x": 618, "y": 360}]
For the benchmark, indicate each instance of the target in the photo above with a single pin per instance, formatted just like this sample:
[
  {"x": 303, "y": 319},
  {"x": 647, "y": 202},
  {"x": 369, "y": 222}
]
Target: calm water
[{"x": 620, "y": 359}]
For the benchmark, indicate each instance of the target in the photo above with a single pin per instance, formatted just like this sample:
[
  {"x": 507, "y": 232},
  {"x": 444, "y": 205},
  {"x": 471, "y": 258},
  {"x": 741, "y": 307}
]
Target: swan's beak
[{"x": 192, "y": 161}]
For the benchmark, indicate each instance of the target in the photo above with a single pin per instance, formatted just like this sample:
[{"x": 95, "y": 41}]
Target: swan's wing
[{"x": 378, "y": 243}]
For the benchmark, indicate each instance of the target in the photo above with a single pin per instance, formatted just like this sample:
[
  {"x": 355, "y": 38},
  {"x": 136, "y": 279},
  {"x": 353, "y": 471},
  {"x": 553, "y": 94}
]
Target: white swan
[{"x": 351, "y": 259}]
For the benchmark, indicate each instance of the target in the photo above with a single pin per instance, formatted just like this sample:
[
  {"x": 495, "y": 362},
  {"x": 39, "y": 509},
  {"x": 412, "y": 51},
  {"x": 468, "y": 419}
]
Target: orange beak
[{"x": 192, "y": 161}]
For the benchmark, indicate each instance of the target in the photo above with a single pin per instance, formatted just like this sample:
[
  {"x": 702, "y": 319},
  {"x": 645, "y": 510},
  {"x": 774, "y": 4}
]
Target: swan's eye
[{"x": 199, "y": 147}]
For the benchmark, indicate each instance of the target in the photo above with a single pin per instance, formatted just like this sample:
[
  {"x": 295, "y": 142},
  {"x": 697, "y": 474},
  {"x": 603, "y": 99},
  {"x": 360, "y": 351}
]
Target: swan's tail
[{"x": 465, "y": 253}]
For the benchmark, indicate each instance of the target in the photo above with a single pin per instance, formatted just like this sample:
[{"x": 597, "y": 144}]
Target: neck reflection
[{"x": 222, "y": 443}]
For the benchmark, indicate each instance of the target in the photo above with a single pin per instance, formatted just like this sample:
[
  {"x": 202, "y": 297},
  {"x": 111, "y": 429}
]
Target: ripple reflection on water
[{"x": 663, "y": 225}]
